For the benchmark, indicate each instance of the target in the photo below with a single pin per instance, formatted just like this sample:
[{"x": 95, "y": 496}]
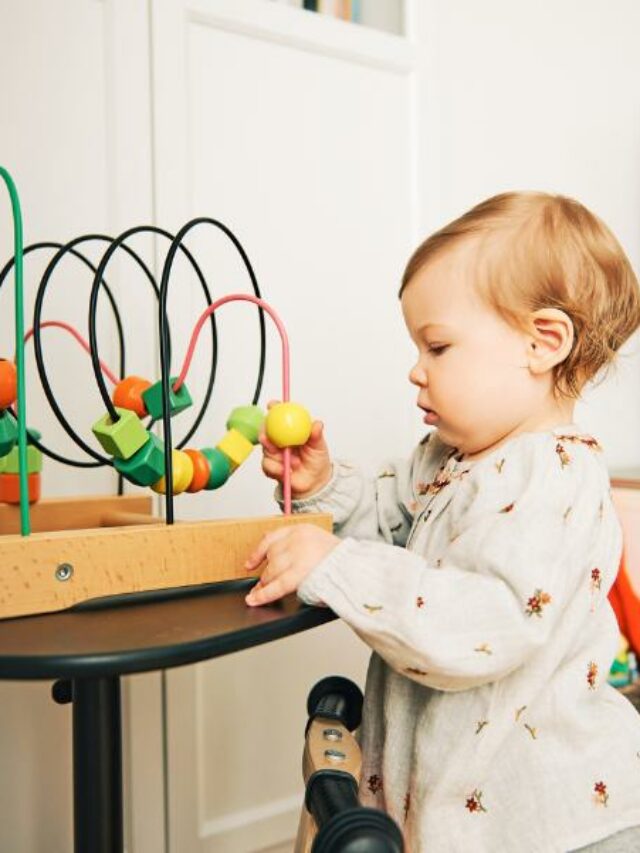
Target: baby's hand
[
  {"x": 290, "y": 553},
  {"x": 310, "y": 463}
]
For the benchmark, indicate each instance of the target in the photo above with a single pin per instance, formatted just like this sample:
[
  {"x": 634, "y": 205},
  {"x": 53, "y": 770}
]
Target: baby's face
[{"x": 471, "y": 371}]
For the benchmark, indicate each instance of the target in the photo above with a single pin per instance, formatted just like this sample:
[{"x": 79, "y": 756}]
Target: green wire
[{"x": 25, "y": 523}]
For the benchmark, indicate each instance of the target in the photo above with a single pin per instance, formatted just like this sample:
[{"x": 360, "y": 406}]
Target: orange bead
[
  {"x": 8, "y": 383},
  {"x": 128, "y": 394},
  {"x": 10, "y": 488},
  {"x": 201, "y": 471}
]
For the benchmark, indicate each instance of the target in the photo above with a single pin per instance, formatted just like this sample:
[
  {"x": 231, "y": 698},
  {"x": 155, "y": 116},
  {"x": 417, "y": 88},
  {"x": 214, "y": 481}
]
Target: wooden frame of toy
[{"x": 64, "y": 551}]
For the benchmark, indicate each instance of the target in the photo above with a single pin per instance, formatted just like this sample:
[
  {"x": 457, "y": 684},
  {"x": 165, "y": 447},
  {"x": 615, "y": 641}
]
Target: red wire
[
  {"x": 83, "y": 343},
  {"x": 246, "y": 297}
]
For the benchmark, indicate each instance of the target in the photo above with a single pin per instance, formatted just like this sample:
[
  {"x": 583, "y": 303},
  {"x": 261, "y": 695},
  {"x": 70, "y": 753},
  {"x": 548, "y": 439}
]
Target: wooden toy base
[{"x": 56, "y": 569}]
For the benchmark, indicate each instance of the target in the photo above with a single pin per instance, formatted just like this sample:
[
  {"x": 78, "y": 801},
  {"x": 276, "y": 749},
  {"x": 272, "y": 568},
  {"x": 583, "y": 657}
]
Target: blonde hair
[{"x": 536, "y": 251}]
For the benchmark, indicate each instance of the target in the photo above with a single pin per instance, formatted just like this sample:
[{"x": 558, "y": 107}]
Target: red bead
[
  {"x": 201, "y": 471},
  {"x": 128, "y": 394},
  {"x": 8, "y": 383}
]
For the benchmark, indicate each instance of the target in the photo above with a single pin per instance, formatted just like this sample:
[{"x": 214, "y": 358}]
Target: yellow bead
[
  {"x": 235, "y": 447},
  {"x": 182, "y": 474},
  {"x": 288, "y": 425}
]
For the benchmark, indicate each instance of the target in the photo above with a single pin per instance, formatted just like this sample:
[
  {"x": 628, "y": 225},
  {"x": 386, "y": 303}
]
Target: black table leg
[{"x": 97, "y": 765}]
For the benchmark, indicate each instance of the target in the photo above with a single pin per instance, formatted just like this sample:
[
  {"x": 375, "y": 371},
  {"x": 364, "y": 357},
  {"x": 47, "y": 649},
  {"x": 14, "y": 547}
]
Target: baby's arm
[
  {"x": 379, "y": 508},
  {"x": 517, "y": 569}
]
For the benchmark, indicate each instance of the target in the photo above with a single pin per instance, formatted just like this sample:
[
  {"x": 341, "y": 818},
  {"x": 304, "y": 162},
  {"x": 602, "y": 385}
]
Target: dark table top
[{"x": 147, "y": 633}]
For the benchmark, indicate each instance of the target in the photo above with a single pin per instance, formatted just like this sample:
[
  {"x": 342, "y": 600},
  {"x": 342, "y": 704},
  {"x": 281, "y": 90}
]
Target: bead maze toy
[{"x": 61, "y": 552}]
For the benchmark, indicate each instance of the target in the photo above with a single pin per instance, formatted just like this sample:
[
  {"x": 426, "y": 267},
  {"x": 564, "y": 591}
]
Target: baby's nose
[{"x": 418, "y": 375}]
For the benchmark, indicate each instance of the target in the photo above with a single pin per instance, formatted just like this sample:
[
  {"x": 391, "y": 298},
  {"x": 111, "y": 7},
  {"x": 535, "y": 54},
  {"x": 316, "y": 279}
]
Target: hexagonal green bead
[
  {"x": 146, "y": 466},
  {"x": 122, "y": 438},
  {"x": 247, "y": 420},
  {"x": 34, "y": 461},
  {"x": 8, "y": 433},
  {"x": 220, "y": 467},
  {"x": 178, "y": 400}
]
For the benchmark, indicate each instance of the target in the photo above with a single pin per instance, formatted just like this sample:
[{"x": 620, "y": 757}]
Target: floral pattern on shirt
[
  {"x": 537, "y": 602},
  {"x": 586, "y": 440},
  {"x": 564, "y": 457},
  {"x": 474, "y": 802},
  {"x": 592, "y": 675},
  {"x": 601, "y": 795}
]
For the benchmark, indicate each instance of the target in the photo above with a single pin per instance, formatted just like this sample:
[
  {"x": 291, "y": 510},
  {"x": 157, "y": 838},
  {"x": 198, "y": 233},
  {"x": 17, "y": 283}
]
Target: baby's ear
[{"x": 550, "y": 339}]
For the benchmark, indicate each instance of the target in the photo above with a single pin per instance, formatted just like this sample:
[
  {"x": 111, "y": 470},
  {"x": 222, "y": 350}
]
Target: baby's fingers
[{"x": 266, "y": 593}]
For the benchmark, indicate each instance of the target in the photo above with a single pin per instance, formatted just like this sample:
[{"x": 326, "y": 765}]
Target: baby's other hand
[
  {"x": 311, "y": 467},
  {"x": 291, "y": 553}
]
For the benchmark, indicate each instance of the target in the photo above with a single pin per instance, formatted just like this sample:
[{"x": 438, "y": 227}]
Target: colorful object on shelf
[
  {"x": 8, "y": 383},
  {"x": 219, "y": 465},
  {"x": 288, "y": 425},
  {"x": 247, "y": 420},
  {"x": 146, "y": 466},
  {"x": 123, "y": 437},
  {"x": 182, "y": 474},
  {"x": 201, "y": 471},
  {"x": 12, "y": 463},
  {"x": 620, "y": 672},
  {"x": 10, "y": 488},
  {"x": 8, "y": 433},
  {"x": 128, "y": 394},
  {"x": 235, "y": 447},
  {"x": 178, "y": 400}
]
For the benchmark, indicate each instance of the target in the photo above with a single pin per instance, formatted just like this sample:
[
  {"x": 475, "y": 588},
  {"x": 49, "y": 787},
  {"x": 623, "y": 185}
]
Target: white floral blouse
[{"x": 488, "y": 724}]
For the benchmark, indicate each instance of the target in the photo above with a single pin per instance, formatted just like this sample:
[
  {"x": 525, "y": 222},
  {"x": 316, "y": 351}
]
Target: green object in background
[
  {"x": 219, "y": 465},
  {"x": 247, "y": 420},
  {"x": 146, "y": 466},
  {"x": 34, "y": 461},
  {"x": 8, "y": 434},
  {"x": 18, "y": 270},
  {"x": 178, "y": 400}
]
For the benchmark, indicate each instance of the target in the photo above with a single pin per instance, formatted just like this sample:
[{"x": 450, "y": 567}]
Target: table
[{"x": 90, "y": 647}]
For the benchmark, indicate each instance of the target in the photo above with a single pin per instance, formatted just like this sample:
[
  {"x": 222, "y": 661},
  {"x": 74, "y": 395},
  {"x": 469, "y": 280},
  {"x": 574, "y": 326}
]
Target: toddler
[{"x": 478, "y": 571}]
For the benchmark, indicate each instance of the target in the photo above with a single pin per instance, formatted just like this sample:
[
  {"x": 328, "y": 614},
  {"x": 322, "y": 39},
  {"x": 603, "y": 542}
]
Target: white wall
[{"x": 539, "y": 95}]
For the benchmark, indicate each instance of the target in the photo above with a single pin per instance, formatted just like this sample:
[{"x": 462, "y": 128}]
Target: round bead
[
  {"x": 201, "y": 471},
  {"x": 128, "y": 394},
  {"x": 247, "y": 420},
  {"x": 8, "y": 383},
  {"x": 182, "y": 474},
  {"x": 220, "y": 467},
  {"x": 288, "y": 425}
]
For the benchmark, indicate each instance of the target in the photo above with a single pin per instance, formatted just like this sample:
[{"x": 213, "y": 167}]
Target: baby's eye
[{"x": 437, "y": 349}]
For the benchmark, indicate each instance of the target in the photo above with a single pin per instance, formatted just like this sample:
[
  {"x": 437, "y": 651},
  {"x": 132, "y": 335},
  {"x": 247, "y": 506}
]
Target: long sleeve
[
  {"x": 379, "y": 508},
  {"x": 516, "y": 562}
]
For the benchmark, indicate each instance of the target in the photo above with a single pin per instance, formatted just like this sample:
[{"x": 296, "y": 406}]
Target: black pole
[{"x": 97, "y": 766}]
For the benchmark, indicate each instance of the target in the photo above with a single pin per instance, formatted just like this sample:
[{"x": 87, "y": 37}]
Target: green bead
[
  {"x": 8, "y": 433},
  {"x": 178, "y": 400},
  {"x": 220, "y": 467},
  {"x": 247, "y": 420},
  {"x": 34, "y": 461},
  {"x": 123, "y": 437},
  {"x": 146, "y": 466}
]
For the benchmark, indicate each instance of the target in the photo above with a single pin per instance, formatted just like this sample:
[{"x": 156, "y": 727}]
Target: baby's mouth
[{"x": 430, "y": 417}]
